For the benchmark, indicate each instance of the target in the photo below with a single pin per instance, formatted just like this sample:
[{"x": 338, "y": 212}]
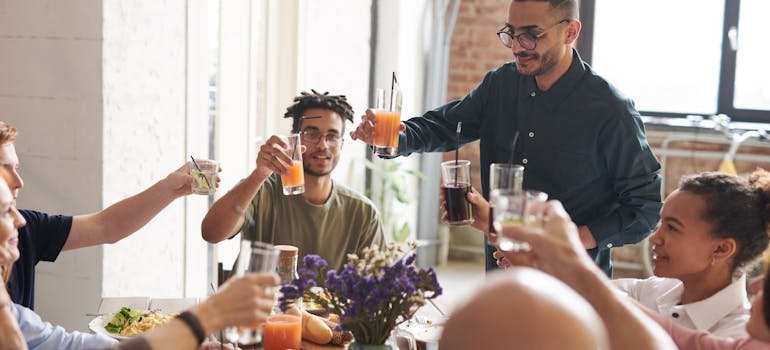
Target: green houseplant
[{"x": 392, "y": 177}]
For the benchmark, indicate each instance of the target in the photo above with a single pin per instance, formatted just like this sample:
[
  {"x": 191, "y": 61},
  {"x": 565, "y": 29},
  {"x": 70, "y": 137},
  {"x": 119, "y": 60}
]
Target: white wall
[
  {"x": 334, "y": 57},
  {"x": 97, "y": 90},
  {"x": 50, "y": 54},
  {"x": 143, "y": 61}
]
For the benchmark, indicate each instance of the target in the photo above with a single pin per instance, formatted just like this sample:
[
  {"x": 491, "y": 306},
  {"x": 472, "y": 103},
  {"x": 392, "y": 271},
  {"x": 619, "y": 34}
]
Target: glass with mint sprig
[{"x": 372, "y": 294}]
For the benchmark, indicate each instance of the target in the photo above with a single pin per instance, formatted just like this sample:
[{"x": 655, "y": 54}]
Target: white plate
[
  {"x": 97, "y": 326},
  {"x": 427, "y": 330}
]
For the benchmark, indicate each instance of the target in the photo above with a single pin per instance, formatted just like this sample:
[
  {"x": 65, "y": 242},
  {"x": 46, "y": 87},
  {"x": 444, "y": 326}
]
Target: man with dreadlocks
[{"x": 328, "y": 219}]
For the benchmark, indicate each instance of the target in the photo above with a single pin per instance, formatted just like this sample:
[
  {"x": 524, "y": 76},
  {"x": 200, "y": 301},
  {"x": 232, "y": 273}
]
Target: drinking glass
[
  {"x": 293, "y": 180},
  {"x": 386, "y": 127},
  {"x": 204, "y": 173},
  {"x": 516, "y": 208},
  {"x": 284, "y": 330},
  {"x": 503, "y": 176},
  {"x": 456, "y": 185},
  {"x": 255, "y": 256}
]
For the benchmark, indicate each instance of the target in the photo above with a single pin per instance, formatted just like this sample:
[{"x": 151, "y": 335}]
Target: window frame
[{"x": 727, "y": 69}]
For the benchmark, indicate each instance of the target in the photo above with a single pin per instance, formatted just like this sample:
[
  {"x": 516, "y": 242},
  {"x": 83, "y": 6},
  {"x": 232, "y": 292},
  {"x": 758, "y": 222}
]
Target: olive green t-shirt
[{"x": 346, "y": 223}]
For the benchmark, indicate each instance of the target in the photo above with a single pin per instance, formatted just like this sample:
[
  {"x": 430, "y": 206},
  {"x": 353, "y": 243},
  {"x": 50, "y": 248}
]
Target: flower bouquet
[{"x": 372, "y": 294}]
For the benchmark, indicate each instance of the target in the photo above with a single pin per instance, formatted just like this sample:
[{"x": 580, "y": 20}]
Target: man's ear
[{"x": 573, "y": 31}]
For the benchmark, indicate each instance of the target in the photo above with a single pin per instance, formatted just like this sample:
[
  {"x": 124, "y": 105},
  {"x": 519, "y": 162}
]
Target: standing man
[
  {"x": 581, "y": 141},
  {"x": 328, "y": 219},
  {"x": 45, "y": 236}
]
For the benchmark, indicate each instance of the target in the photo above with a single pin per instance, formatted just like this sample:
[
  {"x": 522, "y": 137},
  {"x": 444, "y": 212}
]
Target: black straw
[
  {"x": 513, "y": 147},
  {"x": 393, "y": 85},
  {"x": 457, "y": 148},
  {"x": 200, "y": 171}
]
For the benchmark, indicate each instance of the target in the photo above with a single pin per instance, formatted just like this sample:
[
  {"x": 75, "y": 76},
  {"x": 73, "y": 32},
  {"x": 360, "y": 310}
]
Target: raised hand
[{"x": 365, "y": 130}]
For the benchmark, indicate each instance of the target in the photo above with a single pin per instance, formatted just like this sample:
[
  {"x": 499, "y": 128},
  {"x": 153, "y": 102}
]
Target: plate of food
[{"x": 128, "y": 322}]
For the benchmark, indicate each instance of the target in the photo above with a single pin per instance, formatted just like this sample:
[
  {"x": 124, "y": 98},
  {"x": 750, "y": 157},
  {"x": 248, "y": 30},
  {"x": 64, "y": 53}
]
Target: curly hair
[
  {"x": 307, "y": 100},
  {"x": 736, "y": 208}
]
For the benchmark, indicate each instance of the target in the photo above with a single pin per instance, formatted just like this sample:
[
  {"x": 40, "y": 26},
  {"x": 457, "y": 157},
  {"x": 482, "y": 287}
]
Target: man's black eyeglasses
[{"x": 527, "y": 41}]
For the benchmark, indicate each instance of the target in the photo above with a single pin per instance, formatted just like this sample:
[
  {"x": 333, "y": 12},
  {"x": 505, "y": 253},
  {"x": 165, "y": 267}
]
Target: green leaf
[{"x": 400, "y": 235}]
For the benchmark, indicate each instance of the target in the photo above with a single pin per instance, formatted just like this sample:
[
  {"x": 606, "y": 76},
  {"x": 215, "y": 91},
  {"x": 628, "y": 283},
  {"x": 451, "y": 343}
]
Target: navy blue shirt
[
  {"x": 42, "y": 239},
  {"x": 581, "y": 141}
]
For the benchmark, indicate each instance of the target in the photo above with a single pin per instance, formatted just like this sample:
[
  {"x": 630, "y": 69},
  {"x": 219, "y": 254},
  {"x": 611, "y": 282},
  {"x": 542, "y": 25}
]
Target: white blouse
[{"x": 724, "y": 313}]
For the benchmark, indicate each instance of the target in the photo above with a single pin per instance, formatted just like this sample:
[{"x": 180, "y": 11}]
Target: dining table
[{"x": 428, "y": 314}]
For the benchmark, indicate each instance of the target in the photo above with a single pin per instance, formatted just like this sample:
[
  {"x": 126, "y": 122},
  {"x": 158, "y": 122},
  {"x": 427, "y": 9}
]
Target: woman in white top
[{"x": 712, "y": 228}]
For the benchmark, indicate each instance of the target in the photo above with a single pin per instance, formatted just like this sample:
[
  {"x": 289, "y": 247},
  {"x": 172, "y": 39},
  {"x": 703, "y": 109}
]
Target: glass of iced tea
[
  {"x": 516, "y": 208},
  {"x": 456, "y": 175},
  {"x": 386, "y": 127},
  {"x": 293, "y": 180}
]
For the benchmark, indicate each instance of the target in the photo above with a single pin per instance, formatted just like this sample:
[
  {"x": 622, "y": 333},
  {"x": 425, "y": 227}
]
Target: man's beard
[
  {"x": 311, "y": 172},
  {"x": 546, "y": 61}
]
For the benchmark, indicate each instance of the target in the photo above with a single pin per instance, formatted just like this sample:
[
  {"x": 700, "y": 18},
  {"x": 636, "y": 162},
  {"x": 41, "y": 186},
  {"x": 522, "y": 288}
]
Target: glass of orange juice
[
  {"x": 293, "y": 180},
  {"x": 283, "y": 330},
  {"x": 386, "y": 127}
]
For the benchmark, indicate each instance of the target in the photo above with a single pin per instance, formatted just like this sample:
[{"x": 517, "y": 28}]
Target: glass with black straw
[
  {"x": 388, "y": 122},
  {"x": 456, "y": 175}
]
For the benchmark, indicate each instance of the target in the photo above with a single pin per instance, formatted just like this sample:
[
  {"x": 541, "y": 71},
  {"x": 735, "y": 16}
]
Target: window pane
[
  {"x": 663, "y": 54},
  {"x": 752, "y": 90}
]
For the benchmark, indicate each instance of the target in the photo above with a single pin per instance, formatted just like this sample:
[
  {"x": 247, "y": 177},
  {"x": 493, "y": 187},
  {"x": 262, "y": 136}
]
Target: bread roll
[{"x": 315, "y": 329}]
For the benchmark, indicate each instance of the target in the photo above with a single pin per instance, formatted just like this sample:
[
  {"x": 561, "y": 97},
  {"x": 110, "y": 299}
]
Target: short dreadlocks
[{"x": 307, "y": 100}]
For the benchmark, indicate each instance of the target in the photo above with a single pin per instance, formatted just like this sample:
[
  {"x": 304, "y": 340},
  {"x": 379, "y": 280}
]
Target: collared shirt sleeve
[
  {"x": 636, "y": 182},
  {"x": 686, "y": 338},
  {"x": 42, "y": 335},
  {"x": 435, "y": 130}
]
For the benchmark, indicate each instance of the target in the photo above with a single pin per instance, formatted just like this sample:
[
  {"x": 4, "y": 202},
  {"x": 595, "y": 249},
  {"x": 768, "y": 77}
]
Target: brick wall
[{"x": 475, "y": 50}]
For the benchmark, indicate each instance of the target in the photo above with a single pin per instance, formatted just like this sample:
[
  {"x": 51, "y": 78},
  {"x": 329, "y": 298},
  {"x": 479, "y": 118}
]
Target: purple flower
[
  {"x": 371, "y": 295},
  {"x": 312, "y": 261}
]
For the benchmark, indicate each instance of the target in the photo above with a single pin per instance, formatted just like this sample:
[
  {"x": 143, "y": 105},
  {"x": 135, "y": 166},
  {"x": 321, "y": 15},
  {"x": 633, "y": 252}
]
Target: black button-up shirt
[{"x": 581, "y": 141}]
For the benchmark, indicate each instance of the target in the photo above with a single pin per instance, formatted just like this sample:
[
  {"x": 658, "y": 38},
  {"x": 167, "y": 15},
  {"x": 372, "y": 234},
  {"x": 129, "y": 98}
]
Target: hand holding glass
[
  {"x": 255, "y": 256},
  {"x": 388, "y": 122},
  {"x": 456, "y": 186},
  {"x": 205, "y": 173},
  {"x": 516, "y": 208}
]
